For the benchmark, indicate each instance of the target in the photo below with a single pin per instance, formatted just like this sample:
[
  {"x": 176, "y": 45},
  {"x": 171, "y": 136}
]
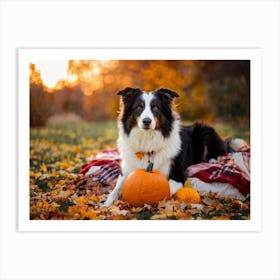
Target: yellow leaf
[
  {"x": 64, "y": 194},
  {"x": 32, "y": 174},
  {"x": 82, "y": 200},
  {"x": 137, "y": 209},
  {"x": 188, "y": 184},
  {"x": 43, "y": 168},
  {"x": 221, "y": 218},
  {"x": 119, "y": 217},
  {"x": 94, "y": 198},
  {"x": 159, "y": 217},
  {"x": 76, "y": 149},
  {"x": 63, "y": 165},
  {"x": 53, "y": 173},
  {"x": 89, "y": 153}
]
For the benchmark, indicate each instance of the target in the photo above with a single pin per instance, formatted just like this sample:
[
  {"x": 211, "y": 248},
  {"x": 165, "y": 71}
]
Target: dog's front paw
[
  {"x": 174, "y": 186},
  {"x": 113, "y": 196}
]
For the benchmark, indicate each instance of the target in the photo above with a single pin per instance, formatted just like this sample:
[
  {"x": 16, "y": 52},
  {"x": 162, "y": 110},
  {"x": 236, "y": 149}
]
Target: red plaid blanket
[
  {"x": 233, "y": 168},
  {"x": 105, "y": 168}
]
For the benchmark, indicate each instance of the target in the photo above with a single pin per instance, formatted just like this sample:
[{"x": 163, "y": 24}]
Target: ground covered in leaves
[{"x": 58, "y": 191}]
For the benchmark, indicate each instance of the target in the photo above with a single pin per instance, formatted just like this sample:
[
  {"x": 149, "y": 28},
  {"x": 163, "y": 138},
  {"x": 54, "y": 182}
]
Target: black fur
[
  {"x": 166, "y": 93},
  {"x": 200, "y": 142},
  {"x": 165, "y": 115},
  {"x": 129, "y": 107}
]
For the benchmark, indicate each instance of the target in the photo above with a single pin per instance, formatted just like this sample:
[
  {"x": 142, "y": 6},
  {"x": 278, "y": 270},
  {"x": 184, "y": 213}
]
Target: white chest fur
[{"x": 147, "y": 141}]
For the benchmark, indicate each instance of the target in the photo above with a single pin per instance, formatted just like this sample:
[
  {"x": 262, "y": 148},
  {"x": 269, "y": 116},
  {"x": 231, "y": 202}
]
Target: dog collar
[{"x": 140, "y": 155}]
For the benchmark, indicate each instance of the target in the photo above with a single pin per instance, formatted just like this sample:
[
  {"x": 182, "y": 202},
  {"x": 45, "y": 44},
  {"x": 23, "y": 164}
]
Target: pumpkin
[
  {"x": 187, "y": 195},
  {"x": 145, "y": 187}
]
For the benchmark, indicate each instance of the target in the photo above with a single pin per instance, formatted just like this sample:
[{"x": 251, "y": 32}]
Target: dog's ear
[
  {"x": 128, "y": 92},
  {"x": 167, "y": 93}
]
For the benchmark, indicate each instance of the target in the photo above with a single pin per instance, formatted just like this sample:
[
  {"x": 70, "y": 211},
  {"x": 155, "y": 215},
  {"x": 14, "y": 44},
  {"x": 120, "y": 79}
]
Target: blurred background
[
  {"x": 85, "y": 90},
  {"x": 74, "y": 105}
]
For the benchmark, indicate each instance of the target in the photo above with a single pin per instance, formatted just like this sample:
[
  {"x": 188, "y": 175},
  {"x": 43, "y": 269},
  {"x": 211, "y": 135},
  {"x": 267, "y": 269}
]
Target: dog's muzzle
[{"x": 146, "y": 123}]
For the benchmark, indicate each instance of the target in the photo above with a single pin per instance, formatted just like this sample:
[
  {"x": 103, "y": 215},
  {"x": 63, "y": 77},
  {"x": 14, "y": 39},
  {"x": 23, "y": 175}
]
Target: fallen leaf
[
  {"x": 43, "y": 168},
  {"x": 209, "y": 201}
]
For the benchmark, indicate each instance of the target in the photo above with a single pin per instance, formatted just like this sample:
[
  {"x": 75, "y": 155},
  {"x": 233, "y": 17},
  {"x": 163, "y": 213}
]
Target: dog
[{"x": 150, "y": 131}]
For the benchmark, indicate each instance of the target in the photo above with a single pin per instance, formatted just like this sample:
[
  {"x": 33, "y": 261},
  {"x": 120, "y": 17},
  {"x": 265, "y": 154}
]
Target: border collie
[{"x": 150, "y": 131}]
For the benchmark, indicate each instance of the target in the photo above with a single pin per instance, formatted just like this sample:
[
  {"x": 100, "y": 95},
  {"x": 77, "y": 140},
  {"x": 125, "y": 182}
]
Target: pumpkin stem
[{"x": 150, "y": 167}]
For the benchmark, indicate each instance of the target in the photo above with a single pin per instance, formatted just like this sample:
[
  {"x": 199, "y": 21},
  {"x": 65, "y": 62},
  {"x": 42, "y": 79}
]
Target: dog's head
[{"x": 147, "y": 110}]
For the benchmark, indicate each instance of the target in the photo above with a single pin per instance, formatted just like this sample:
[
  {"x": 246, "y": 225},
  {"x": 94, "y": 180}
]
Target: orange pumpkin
[
  {"x": 145, "y": 187},
  {"x": 187, "y": 195}
]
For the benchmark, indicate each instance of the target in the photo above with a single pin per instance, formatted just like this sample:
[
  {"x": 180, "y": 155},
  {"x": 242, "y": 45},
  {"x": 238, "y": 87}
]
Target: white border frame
[{"x": 27, "y": 55}]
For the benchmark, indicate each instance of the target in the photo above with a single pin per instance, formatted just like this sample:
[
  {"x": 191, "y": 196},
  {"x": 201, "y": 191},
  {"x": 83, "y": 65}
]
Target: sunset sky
[{"x": 52, "y": 71}]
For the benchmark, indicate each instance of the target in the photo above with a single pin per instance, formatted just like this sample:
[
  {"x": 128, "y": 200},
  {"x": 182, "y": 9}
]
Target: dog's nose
[{"x": 147, "y": 122}]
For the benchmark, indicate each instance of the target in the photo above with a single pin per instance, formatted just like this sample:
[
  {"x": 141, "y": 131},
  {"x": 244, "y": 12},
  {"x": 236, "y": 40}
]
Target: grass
[
  {"x": 69, "y": 144},
  {"x": 241, "y": 130},
  {"x": 105, "y": 133}
]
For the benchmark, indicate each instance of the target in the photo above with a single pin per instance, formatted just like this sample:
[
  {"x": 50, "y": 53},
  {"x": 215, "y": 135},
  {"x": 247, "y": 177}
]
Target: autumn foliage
[
  {"x": 208, "y": 89},
  {"x": 59, "y": 192}
]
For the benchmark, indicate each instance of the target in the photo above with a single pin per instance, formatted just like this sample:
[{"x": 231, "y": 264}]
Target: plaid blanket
[
  {"x": 105, "y": 167},
  {"x": 233, "y": 168}
]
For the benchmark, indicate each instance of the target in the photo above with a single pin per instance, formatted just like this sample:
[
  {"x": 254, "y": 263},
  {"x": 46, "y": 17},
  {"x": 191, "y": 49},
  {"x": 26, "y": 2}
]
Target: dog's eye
[
  {"x": 154, "y": 106},
  {"x": 140, "y": 106}
]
